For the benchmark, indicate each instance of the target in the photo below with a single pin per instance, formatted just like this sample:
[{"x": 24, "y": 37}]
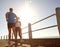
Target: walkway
[{"x": 3, "y": 43}]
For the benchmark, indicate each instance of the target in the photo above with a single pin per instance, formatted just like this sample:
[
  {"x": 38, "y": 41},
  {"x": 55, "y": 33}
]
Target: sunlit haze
[{"x": 30, "y": 11}]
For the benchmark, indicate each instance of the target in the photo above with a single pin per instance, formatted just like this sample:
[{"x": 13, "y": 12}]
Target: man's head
[{"x": 11, "y": 9}]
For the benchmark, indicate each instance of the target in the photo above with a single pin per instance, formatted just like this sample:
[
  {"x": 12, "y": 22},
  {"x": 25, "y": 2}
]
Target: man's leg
[
  {"x": 14, "y": 31},
  {"x": 9, "y": 35},
  {"x": 15, "y": 34}
]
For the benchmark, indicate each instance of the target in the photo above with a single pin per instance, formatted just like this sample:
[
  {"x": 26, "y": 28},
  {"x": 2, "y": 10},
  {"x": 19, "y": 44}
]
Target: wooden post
[
  {"x": 30, "y": 31},
  {"x": 4, "y": 37},
  {"x": 58, "y": 18},
  {"x": 1, "y": 37},
  {"x": 8, "y": 37}
]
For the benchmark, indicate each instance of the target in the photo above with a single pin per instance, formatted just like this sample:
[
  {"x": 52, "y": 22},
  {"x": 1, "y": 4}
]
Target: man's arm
[
  {"x": 6, "y": 15},
  {"x": 20, "y": 23},
  {"x": 16, "y": 16}
]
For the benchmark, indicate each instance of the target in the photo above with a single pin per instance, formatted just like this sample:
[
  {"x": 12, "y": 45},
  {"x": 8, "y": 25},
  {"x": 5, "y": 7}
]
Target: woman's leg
[{"x": 19, "y": 32}]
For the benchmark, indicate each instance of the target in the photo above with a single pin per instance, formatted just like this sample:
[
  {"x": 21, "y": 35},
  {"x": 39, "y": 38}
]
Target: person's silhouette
[
  {"x": 18, "y": 27},
  {"x": 10, "y": 18}
]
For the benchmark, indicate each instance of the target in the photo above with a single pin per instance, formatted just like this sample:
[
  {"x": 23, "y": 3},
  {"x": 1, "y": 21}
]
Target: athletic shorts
[{"x": 11, "y": 25}]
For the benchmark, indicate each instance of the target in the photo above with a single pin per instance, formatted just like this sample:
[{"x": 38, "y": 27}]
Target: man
[{"x": 10, "y": 18}]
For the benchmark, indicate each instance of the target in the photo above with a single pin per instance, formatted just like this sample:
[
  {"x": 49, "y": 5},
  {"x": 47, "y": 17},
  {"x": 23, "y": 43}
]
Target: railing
[
  {"x": 58, "y": 23},
  {"x": 29, "y": 25},
  {"x": 30, "y": 30},
  {"x": 5, "y": 37}
]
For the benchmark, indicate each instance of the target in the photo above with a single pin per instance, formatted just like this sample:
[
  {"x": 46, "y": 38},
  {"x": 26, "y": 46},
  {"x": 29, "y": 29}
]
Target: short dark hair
[{"x": 11, "y": 9}]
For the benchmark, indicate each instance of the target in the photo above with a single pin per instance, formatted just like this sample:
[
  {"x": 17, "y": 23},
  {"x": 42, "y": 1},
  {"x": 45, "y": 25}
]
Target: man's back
[{"x": 11, "y": 17}]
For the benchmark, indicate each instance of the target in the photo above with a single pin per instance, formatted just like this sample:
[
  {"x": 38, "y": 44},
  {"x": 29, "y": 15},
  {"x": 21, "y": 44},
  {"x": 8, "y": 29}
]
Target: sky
[{"x": 31, "y": 11}]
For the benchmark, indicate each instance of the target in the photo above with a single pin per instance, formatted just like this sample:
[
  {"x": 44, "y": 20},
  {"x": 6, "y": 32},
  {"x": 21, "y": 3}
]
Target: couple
[{"x": 13, "y": 23}]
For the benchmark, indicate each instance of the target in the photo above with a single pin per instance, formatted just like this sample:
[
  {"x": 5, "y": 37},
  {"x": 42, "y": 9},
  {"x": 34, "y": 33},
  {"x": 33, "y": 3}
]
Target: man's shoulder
[{"x": 7, "y": 12}]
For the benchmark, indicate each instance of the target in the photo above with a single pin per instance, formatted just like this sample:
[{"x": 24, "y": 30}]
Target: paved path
[{"x": 3, "y": 43}]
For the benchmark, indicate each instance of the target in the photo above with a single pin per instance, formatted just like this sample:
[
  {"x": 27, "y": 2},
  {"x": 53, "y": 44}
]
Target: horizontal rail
[
  {"x": 40, "y": 20},
  {"x": 42, "y": 28},
  {"x": 45, "y": 28},
  {"x": 44, "y": 19},
  {"x": 25, "y": 27}
]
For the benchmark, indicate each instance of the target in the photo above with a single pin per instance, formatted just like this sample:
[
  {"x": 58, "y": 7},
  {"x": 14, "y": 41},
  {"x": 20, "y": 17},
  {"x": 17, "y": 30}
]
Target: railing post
[
  {"x": 4, "y": 37},
  {"x": 30, "y": 31},
  {"x": 58, "y": 18},
  {"x": 1, "y": 37},
  {"x": 8, "y": 37}
]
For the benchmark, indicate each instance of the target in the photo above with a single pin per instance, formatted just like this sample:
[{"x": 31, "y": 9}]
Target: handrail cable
[
  {"x": 40, "y": 20},
  {"x": 25, "y": 27},
  {"x": 44, "y": 19},
  {"x": 45, "y": 28},
  {"x": 42, "y": 28}
]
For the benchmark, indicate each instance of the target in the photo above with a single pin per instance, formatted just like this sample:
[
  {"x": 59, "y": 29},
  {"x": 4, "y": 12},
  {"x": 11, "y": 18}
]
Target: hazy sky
[{"x": 23, "y": 8}]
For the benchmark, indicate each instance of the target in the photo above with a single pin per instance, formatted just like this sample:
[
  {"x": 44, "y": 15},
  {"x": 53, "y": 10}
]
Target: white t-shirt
[{"x": 18, "y": 24}]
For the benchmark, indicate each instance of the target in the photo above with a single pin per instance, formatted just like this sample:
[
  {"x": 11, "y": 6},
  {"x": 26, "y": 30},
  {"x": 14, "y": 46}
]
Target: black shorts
[{"x": 11, "y": 25}]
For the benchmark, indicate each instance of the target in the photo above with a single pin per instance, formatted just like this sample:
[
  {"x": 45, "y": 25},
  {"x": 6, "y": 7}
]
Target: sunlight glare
[{"x": 27, "y": 13}]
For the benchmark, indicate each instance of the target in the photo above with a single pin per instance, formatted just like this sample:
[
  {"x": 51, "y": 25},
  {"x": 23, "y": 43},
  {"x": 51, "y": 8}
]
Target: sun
[{"x": 26, "y": 14}]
